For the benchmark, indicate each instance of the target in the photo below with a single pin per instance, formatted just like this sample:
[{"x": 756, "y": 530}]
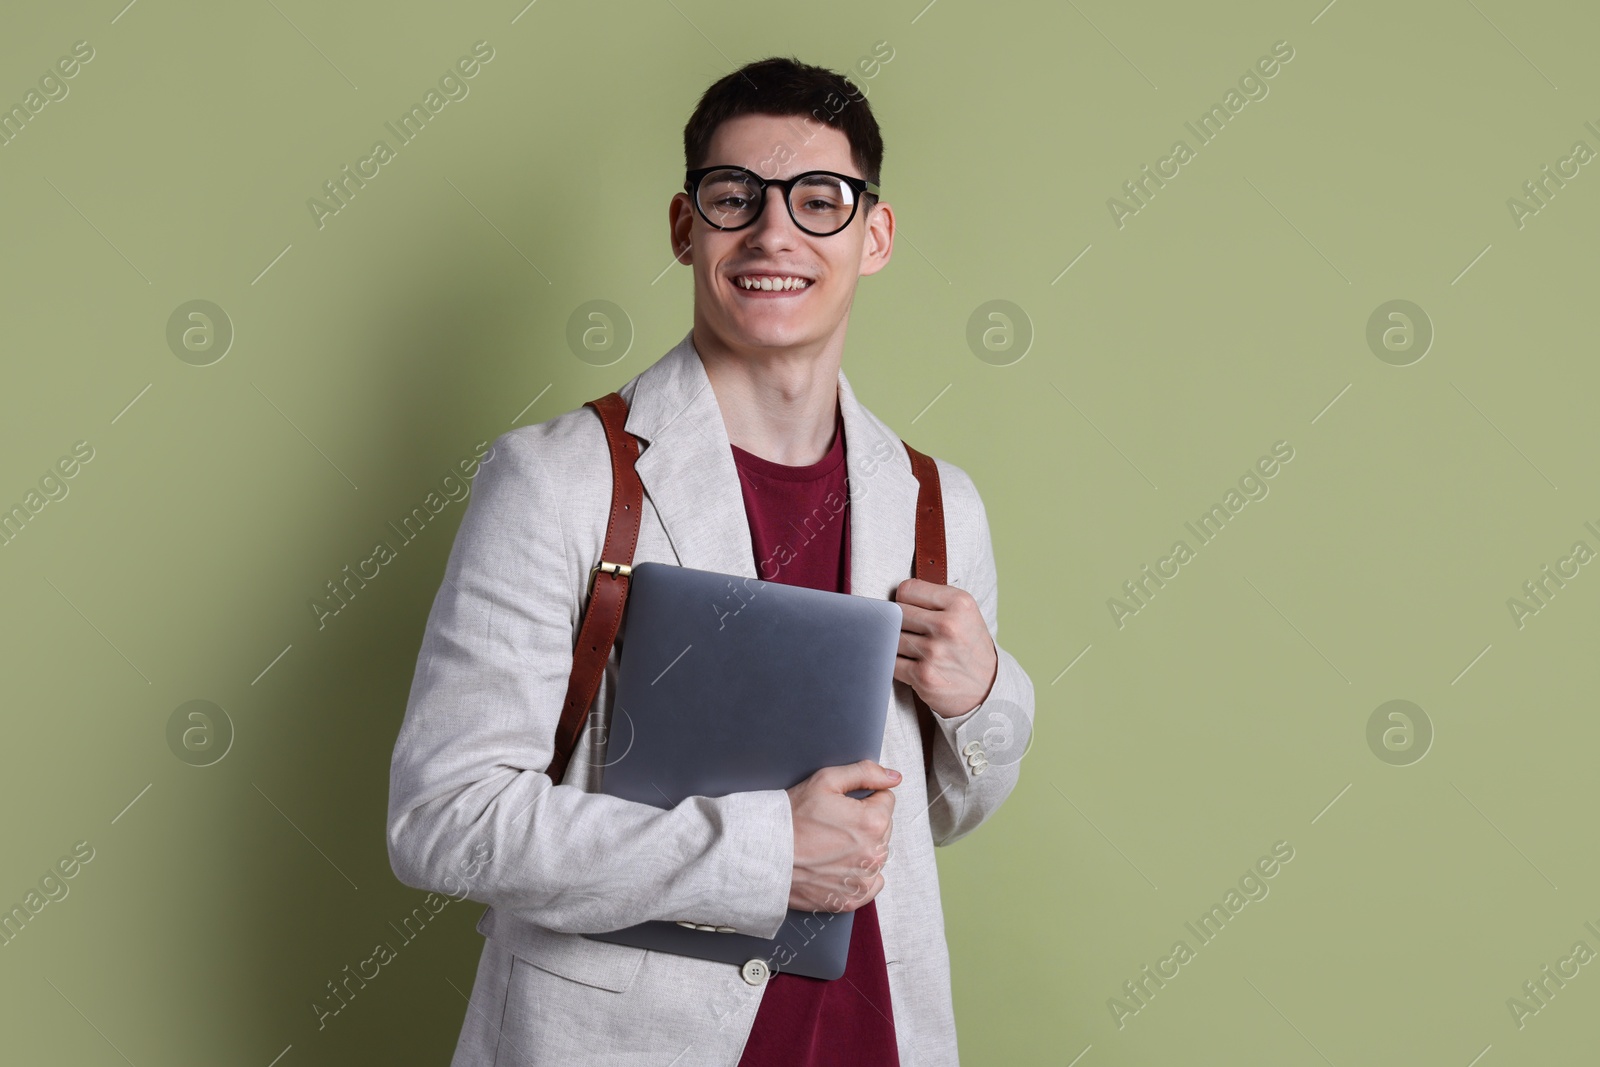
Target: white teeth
[{"x": 767, "y": 282}]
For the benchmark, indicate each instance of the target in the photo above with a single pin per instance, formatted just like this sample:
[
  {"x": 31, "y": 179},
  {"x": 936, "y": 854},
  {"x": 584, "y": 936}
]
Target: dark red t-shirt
[{"x": 800, "y": 531}]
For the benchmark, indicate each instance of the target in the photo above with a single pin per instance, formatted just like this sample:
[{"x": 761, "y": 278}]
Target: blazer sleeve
[
  {"x": 472, "y": 812},
  {"x": 1000, "y": 729}
]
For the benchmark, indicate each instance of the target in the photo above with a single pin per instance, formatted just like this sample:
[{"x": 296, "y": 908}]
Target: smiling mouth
[{"x": 779, "y": 284}]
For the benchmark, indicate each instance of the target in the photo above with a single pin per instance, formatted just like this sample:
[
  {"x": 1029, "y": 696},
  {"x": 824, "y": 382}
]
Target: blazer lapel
[
  {"x": 687, "y": 465},
  {"x": 883, "y": 501}
]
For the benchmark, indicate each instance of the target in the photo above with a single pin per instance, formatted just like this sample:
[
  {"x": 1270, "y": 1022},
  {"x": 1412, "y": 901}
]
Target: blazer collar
[{"x": 689, "y": 475}]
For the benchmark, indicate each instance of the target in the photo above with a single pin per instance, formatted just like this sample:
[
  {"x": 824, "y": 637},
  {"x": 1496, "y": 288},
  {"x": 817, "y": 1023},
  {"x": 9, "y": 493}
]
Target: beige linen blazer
[{"x": 472, "y": 813}]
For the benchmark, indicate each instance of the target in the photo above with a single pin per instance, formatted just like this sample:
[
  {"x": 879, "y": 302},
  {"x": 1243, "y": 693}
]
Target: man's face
[{"x": 741, "y": 318}]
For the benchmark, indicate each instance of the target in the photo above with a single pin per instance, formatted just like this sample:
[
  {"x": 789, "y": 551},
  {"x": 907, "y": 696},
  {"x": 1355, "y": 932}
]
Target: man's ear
[
  {"x": 680, "y": 223},
  {"x": 878, "y": 245}
]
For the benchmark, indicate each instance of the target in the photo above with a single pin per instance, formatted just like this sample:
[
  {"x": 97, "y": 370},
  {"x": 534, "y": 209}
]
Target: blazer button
[
  {"x": 973, "y": 746},
  {"x": 726, "y": 930},
  {"x": 705, "y": 926},
  {"x": 686, "y": 923},
  {"x": 755, "y": 971}
]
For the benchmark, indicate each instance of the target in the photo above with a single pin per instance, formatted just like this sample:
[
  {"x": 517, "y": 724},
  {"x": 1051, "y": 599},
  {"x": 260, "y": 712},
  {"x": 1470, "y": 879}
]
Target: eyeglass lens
[{"x": 820, "y": 204}]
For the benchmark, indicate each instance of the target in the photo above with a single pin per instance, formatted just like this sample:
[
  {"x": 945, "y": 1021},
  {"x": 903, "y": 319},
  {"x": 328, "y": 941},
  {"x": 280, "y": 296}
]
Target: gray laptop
[{"x": 730, "y": 684}]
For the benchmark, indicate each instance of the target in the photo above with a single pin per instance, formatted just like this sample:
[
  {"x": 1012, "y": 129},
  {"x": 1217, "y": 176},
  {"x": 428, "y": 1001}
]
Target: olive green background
[{"x": 1171, "y": 752}]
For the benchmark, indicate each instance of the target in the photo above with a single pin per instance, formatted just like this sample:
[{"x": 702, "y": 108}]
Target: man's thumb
[{"x": 868, "y": 774}]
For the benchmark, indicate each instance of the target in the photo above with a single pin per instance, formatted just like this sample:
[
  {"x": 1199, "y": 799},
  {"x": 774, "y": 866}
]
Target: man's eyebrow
[{"x": 796, "y": 174}]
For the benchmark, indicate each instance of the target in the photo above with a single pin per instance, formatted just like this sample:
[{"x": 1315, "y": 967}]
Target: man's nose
[{"x": 774, "y": 213}]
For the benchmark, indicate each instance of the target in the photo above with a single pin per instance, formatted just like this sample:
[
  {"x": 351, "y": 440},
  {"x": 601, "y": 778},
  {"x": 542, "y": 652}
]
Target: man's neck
[{"x": 779, "y": 405}]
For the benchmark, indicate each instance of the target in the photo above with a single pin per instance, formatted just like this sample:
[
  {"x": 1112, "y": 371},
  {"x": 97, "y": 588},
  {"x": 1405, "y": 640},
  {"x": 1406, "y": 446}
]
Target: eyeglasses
[{"x": 821, "y": 202}]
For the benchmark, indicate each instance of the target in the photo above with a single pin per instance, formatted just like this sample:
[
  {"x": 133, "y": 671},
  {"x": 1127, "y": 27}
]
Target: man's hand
[
  {"x": 946, "y": 654},
  {"x": 840, "y": 843}
]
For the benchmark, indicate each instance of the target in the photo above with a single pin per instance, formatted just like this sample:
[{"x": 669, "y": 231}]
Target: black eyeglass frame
[{"x": 862, "y": 186}]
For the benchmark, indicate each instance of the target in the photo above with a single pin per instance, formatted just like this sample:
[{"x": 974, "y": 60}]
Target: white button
[
  {"x": 977, "y": 758},
  {"x": 979, "y": 768},
  {"x": 754, "y": 971},
  {"x": 686, "y": 922},
  {"x": 973, "y": 746},
  {"x": 726, "y": 930},
  {"x": 705, "y": 926}
]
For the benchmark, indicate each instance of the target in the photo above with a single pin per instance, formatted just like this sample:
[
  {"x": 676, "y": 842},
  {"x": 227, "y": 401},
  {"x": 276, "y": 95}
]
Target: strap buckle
[{"x": 616, "y": 570}]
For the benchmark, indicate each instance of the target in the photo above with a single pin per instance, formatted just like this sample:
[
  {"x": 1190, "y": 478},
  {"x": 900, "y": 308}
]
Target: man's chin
[{"x": 768, "y": 332}]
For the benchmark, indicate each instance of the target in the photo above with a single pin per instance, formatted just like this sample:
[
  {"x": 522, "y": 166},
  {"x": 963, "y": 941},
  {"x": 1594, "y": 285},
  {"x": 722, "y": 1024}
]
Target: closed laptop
[{"x": 727, "y": 684}]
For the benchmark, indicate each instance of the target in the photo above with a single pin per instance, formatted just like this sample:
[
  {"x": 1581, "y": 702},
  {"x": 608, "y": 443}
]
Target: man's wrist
[{"x": 959, "y": 717}]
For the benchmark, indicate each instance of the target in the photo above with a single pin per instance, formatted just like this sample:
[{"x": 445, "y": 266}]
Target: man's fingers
[
  {"x": 863, "y": 774},
  {"x": 913, "y": 645},
  {"x": 917, "y": 591},
  {"x": 918, "y": 620},
  {"x": 863, "y": 892},
  {"x": 881, "y": 804}
]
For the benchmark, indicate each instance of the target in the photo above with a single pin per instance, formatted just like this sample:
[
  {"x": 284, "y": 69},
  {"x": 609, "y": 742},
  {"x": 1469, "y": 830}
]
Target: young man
[{"x": 756, "y": 460}]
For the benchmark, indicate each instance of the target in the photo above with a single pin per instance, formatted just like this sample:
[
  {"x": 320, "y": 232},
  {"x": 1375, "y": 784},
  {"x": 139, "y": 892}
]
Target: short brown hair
[{"x": 787, "y": 87}]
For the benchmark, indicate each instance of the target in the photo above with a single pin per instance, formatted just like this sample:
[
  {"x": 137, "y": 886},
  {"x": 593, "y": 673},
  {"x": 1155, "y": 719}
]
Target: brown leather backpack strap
[
  {"x": 928, "y": 564},
  {"x": 608, "y": 582}
]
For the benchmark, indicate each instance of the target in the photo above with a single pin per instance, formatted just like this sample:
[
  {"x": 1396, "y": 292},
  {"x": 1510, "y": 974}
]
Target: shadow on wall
[{"x": 352, "y": 974}]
